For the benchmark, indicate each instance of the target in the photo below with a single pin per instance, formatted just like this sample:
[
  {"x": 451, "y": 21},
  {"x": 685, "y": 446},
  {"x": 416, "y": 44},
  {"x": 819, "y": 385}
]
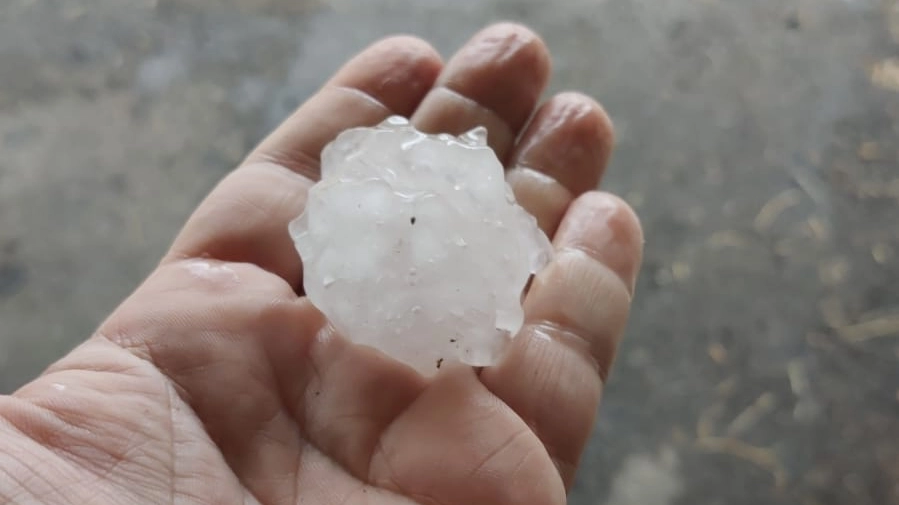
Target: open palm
[{"x": 217, "y": 382}]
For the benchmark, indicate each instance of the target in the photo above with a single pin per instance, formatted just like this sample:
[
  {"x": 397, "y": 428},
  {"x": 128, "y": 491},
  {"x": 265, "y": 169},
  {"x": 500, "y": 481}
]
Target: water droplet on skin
[
  {"x": 211, "y": 271},
  {"x": 396, "y": 121}
]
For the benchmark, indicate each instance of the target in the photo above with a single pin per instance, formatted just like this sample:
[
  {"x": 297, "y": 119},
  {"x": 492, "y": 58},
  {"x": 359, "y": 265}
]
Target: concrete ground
[{"x": 758, "y": 141}]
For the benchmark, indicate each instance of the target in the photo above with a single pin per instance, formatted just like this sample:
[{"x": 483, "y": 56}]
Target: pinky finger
[{"x": 575, "y": 311}]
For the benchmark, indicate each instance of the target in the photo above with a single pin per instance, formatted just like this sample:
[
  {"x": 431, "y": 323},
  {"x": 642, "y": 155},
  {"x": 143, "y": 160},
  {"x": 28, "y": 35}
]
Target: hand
[{"x": 216, "y": 383}]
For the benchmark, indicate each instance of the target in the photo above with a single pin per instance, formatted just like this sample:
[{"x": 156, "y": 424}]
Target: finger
[
  {"x": 568, "y": 143},
  {"x": 494, "y": 81},
  {"x": 569, "y": 139},
  {"x": 390, "y": 77},
  {"x": 575, "y": 314},
  {"x": 493, "y": 457},
  {"x": 245, "y": 218},
  {"x": 381, "y": 422},
  {"x": 540, "y": 195}
]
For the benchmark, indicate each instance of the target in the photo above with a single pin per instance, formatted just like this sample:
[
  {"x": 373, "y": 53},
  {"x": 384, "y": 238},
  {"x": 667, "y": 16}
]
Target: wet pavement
[{"x": 759, "y": 142}]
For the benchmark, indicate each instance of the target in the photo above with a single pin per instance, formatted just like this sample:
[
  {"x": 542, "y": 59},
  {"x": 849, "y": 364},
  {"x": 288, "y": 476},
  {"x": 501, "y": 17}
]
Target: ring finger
[{"x": 562, "y": 153}]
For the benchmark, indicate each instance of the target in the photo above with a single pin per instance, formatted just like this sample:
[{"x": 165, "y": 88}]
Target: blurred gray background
[{"x": 758, "y": 142}]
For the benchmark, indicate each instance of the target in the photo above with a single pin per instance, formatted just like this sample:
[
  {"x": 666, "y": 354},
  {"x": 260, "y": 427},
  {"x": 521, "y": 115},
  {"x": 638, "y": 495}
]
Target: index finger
[{"x": 244, "y": 219}]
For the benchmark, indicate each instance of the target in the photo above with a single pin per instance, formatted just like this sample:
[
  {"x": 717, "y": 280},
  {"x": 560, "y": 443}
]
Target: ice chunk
[{"x": 413, "y": 244}]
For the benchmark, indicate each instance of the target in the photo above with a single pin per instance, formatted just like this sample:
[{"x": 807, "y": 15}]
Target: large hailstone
[{"x": 413, "y": 244}]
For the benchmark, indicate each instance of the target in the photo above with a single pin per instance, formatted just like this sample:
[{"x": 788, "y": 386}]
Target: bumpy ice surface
[{"x": 413, "y": 244}]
